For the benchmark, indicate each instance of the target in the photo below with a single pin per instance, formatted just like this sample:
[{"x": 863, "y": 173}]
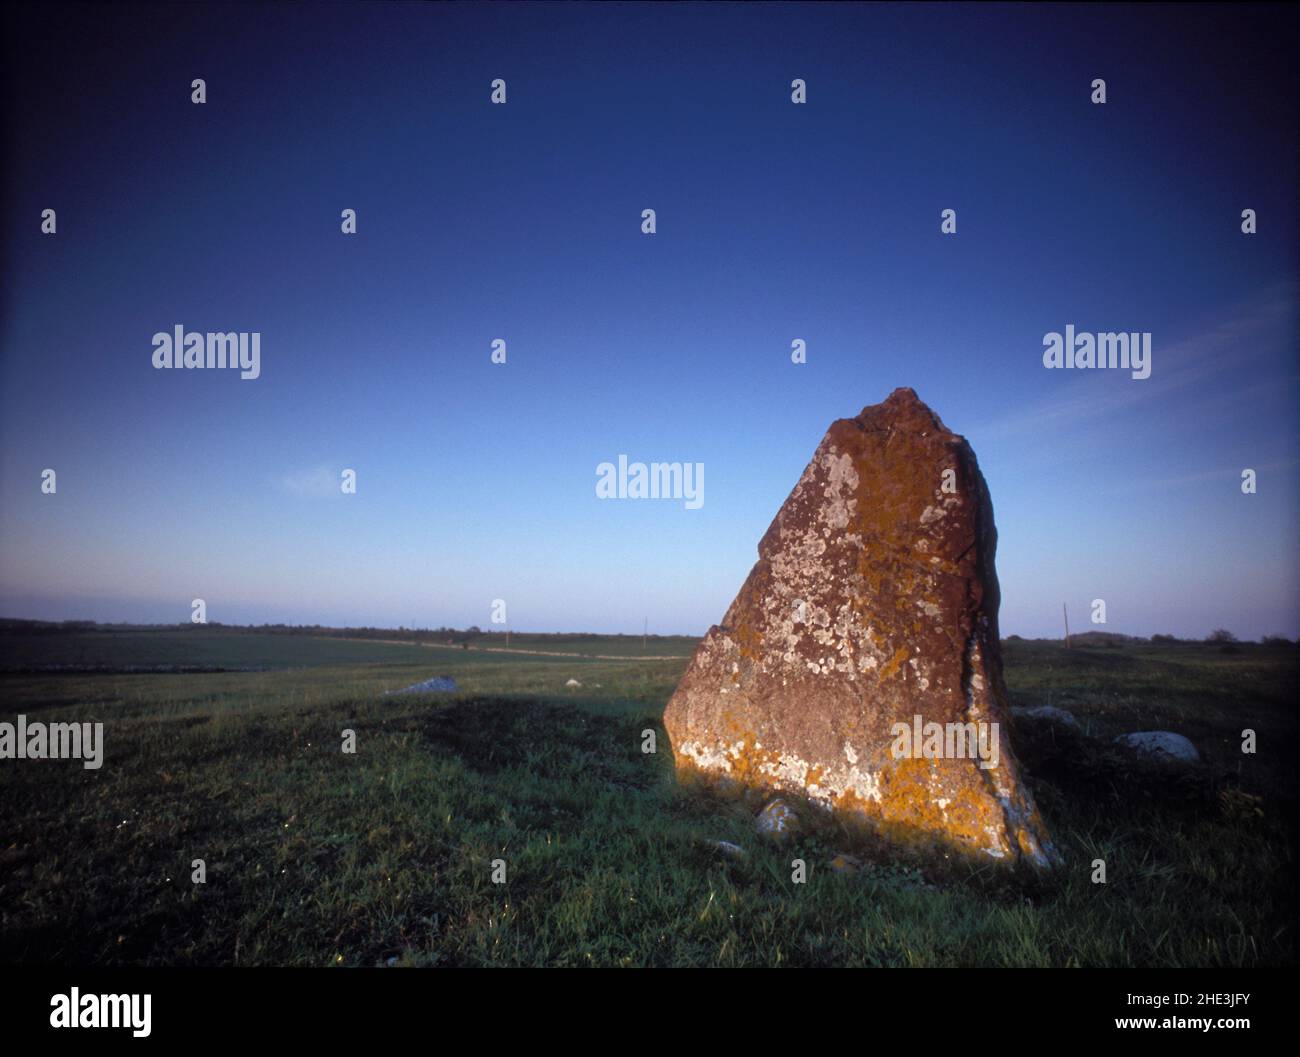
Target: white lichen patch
[
  {"x": 789, "y": 771},
  {"x": 712, "y": 758},
  {"x": 997, "y": 847},
  {"x": 842, "y": 477},
  {"x": 865, "y": 785}
]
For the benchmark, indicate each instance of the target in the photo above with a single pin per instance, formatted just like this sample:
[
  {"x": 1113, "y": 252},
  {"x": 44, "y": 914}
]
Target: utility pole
[
  {"x": 645, "y": 629},
  {"x": 1066, "y": 612}
]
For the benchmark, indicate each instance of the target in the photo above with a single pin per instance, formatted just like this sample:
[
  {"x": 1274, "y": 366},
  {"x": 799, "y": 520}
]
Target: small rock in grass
[
  {"x": 573, "y": 682},
  {"x": 731, "y": 851},
  {"x": 777, "y": 821},
  {"x": 439, "y": 684},
  {"x": 1161, "y": 744}
]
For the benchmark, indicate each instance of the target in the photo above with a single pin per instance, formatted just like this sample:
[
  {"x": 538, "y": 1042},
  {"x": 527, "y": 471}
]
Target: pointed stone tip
[
  {"x": 901, "y": 399},
  {"x": 902, "y": 409}
]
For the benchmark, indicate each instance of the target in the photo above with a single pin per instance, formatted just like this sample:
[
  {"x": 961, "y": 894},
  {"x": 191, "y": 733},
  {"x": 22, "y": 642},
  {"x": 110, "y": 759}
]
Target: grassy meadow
[{"x": 384, "y": 857}]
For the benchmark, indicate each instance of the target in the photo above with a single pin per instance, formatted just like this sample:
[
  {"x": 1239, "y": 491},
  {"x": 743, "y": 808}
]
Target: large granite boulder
[{"x": 859, "y": 665}]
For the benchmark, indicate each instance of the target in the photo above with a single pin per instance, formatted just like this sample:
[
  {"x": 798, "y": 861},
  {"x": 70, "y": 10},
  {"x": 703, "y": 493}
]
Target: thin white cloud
[
  {"x": 1151, "y": 484},
  {"x": 317, "y": 482},
  {"x": 1235, "y": 342}
]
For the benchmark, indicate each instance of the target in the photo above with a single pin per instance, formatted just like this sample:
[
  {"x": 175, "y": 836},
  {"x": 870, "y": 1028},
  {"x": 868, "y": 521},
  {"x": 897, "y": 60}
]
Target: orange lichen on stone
[{"x": 895, "y": 662}]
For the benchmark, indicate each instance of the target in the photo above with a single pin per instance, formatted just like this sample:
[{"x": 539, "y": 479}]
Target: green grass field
[{"x": 316, "y": 857}]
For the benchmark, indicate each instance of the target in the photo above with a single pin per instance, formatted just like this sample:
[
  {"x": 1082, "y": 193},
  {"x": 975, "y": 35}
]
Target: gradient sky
[{"x": 775, "y": 221}]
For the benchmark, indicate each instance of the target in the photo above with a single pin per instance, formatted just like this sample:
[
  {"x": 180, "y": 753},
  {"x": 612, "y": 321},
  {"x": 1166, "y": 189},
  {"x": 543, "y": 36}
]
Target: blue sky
[{"x": 775, "y": 222}]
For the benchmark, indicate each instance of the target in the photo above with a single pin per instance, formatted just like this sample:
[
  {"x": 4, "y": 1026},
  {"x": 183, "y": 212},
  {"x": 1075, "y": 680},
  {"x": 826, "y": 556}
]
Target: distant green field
[
  {"x": 194, "y": 649},
  {"x": 238, "y": 649},
  {"x": 611, "y": 645},
  {"x": 315, "y": 857}
]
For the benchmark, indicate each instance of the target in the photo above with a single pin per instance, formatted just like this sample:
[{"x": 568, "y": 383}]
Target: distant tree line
[
  {"x": 453, "y": 636},
  {"x": 1220, "y": 637}
]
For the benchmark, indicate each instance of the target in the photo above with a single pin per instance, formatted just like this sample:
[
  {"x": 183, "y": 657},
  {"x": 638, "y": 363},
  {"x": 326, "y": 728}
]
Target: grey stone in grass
[
  {"x": 1161, "y": 745},
  {"x": 439, "y": 684},
  {"x": 777, "y": 822}
]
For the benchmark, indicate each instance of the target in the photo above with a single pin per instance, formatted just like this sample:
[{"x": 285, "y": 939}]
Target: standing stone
[{"x": 872, "y": 610}]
